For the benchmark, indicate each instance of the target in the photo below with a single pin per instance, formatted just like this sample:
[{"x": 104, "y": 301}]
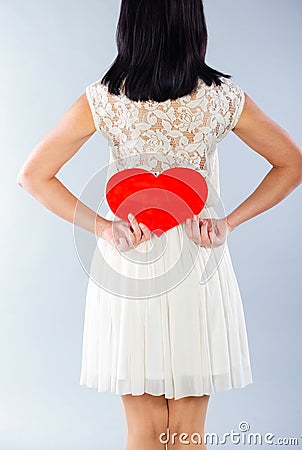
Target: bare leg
[
  {"x": 187, "y": 415},
  {"x": 147, "y": 418}
]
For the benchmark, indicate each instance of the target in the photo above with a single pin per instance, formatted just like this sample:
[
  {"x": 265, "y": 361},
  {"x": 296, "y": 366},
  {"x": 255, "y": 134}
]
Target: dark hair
[{"x": 161, "y": 50}]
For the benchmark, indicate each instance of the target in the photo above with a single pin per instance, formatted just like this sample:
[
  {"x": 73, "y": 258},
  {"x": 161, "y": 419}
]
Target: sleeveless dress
[{"x": 165, "y": 318}]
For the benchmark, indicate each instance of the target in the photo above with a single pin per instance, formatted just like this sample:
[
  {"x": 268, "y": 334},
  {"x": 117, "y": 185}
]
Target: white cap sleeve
[
  {"x": 239, "y": 100},
  {"x": 97, "y": 99},
  {"x": 232, "y": 101}
]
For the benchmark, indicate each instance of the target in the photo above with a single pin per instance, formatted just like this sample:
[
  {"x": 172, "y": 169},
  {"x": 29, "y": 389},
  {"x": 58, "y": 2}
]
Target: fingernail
[
  {"x": 130, "y": 216},
  {"x": 142, "y": 225},
  {"x": 188, "y": 220}
]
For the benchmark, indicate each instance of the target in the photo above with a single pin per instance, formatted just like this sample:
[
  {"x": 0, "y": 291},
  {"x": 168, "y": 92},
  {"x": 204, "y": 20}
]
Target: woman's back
[{"x": 158, "y": 135}]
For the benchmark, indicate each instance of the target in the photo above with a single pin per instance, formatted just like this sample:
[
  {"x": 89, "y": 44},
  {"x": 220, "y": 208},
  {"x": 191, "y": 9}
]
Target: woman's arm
[
  {"x": 272, "y": 142},
  {"x": 38, "y": 174}
]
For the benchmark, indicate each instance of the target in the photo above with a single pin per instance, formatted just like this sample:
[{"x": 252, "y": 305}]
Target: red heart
[{"x": 161, "y": 202}]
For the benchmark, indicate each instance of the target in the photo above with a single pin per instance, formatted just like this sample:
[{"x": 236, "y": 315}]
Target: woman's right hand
[
  {"x": 124, "y": 235},
  {"x": 208, "y": 232}
]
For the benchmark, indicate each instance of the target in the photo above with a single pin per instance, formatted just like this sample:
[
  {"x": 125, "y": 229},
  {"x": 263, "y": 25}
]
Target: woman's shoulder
[
  {"x": 97, "y": 86},
  {"x": 97, "y": 93},
  {"x": 230, "y": 88},
  {"x": 231, "y": 103},
  {"x": 229, "y": 91}
]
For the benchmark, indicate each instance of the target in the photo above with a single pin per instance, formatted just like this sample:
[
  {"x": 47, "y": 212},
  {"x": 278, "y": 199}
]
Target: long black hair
[{"x": 161, "y": 50}]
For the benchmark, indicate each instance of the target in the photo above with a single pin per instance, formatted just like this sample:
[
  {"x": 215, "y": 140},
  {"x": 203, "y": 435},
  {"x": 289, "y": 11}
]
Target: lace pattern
[{"x": 158, "y": 135}]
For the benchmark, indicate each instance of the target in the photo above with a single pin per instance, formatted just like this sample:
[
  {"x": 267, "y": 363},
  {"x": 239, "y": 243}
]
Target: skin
[{"x": 147, "y": 415}]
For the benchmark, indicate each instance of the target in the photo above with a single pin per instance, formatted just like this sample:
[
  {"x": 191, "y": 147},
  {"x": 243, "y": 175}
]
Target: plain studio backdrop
[{"x": 50, "y": 51}]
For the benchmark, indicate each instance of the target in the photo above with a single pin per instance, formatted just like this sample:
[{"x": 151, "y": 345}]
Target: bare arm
[
  {"x": 272, "y": 142},
  {"x": 38, "y": 174}
]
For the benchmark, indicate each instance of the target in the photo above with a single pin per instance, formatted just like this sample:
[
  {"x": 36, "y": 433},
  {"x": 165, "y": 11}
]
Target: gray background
[{"x": 50, "y": 51}]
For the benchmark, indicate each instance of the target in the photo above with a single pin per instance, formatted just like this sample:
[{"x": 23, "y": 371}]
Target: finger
[
  {"x": 188, "y": 228},
  {"x": 195, "y": 229},
  {"x": 129, "y": 236},
  {"x": 212, "y": 236},
  {"x": 210, "y": 224},
  {"x": 122, "y": 244},
  {"x": 204, "y": 234},
  {"x": 146, "y": 232},
  {"x": 136, "y": 228}
]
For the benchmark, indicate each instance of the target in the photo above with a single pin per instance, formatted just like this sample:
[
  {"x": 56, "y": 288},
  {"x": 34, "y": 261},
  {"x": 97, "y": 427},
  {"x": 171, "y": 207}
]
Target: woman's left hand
[{"x": 207, "y": 232}]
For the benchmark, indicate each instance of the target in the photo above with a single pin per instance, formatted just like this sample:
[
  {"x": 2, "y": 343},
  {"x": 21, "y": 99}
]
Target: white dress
[{"x": 165, "y": 318}]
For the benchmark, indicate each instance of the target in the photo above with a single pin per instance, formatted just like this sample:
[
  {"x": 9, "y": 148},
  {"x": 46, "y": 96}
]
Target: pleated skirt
[{"x": 165, "y": 318}]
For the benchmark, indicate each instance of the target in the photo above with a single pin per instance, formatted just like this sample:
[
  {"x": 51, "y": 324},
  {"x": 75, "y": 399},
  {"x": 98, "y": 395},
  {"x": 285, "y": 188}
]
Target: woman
[{"x": 163, "y": 340}]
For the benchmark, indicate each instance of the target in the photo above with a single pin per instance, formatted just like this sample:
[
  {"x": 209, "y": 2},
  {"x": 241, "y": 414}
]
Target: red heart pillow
[{"x": 160, "y": 202}]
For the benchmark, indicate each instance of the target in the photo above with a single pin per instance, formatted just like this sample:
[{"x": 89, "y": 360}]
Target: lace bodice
[{"x": 158, "y": 135}]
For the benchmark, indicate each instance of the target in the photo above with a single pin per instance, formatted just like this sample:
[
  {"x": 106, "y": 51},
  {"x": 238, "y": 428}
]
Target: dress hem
[{"x": 241, "y": 385}]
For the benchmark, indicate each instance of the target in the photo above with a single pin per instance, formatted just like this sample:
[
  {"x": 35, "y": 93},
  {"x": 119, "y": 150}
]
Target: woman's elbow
[
  {"x": 295, "y": 170},
  {"x": 24, "y": 177},
  {"x": 28, "y": 179}
]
